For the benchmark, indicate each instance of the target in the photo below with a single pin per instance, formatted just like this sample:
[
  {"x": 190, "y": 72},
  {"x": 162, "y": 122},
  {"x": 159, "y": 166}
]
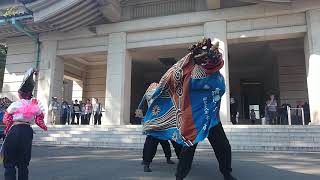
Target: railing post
[
  {"x": 302, "y": 115},
  {"x": 289, "y": 115}
]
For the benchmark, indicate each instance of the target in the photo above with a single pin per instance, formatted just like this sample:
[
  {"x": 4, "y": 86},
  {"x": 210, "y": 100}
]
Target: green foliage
[
  {"x": 11, "y": 11},
  {"x": 3, "y": 50}
]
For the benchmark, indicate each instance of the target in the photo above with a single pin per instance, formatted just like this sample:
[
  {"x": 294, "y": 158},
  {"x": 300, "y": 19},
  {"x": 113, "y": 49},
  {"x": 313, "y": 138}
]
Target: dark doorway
[{"x": 252, "y": 98}]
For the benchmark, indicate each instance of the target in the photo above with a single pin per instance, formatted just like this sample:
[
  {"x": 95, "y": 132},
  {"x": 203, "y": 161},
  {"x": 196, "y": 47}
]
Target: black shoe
[
  {"x": 169, "y": 161},
  {"x": 179, "y": 178},
  {"x": 229, "y": 177},
  {"x": 146, "y": 168}
]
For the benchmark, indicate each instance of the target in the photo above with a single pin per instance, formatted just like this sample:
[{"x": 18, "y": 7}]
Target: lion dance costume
[{"x": 185, "y": 107}]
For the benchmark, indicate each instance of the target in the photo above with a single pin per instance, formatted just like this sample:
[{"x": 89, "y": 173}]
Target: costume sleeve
[
  {"x": 39, "y": 121},
  {"x": 8, "y": 121},
  {"x": 12, "y": 108},
  {"x": 142, "y": 101}
]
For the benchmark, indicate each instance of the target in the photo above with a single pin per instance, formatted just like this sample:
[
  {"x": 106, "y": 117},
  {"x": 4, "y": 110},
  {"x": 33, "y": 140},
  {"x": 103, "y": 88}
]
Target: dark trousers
[
  {"x": 234, "y": 118},
  {"x": 17, "y": 152},
  {"x": 73, "y": 117},
  {"x": 177, "y": 148},
  {"x": 64, "y": 119},
  {"x": 83, "y": 119},
  {"x": 273, "y": 117},
  {"x": 150, "y": 148},
  {"x": 97, "y": 119},
  {"x": 87, "y": 118},
  {"x": 221, "y": 147}
]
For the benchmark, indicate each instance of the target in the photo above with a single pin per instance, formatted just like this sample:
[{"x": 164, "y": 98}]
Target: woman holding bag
[{"x": 18, "y": 119}]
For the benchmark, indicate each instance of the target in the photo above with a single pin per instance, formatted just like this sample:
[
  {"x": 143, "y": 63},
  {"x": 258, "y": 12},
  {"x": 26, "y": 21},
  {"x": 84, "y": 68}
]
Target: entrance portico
[{"x": 121, "y": 41}]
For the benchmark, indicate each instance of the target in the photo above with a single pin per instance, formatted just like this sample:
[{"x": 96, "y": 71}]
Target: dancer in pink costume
[{"x": 18, "y": 119}]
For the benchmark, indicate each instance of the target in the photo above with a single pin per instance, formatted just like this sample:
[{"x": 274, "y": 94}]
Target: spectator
[
  {"x": 4, "y": 104},
  {"x": 1, "y": 125},
  {"x": 271, "y": 110},
  {"x": 299, "y": 112},
  {"x": 306, "y": 110},
  {"x": 97, "y": 111},
  {"x": 76, "y": 111},
  {"x": 83, "y": 115},
  {"x": 284, "y": 113},
  {"x": 64, "y": 112},
  {"x": 88, "y": 111},
  {"x": 252, "y": 116},
  {"x": 54, "y": 110},
  {"x": 233, "y": 109}
]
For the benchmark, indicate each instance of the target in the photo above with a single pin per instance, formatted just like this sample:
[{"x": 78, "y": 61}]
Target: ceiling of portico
[
  {"x": 151, "y": 56},
  {"x": 242, "y": 55},
  {"x": 87, "y": 59}
]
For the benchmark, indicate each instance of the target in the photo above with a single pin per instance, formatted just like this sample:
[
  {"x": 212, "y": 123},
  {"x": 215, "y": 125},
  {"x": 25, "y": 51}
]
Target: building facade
[{"x": 112, "y": 50}]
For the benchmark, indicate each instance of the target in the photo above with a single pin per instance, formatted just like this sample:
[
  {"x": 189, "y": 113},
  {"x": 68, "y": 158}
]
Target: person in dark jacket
[
  {"x": 64, "y": 112},
  {"x": 76, "y": 112},
  {"x": 233, "y": 109},
  {"x": 306, "y": 111}
]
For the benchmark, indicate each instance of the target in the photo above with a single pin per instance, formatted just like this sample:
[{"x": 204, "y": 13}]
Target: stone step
[{"x": 242, "y": 137}]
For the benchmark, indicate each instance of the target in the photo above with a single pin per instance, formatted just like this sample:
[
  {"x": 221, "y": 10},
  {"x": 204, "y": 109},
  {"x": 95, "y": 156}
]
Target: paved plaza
[{"x": 63, "y": 163}]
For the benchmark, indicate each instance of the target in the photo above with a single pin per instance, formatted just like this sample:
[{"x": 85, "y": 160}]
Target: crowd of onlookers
[
  {"x": 80, "y": 113},
  {"x": 273, "y": 113}
]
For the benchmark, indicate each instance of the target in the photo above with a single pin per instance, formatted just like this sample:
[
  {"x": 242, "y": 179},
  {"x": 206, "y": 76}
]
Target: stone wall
[
  {"x": 292, "y": 77},
  {"x": 95, "y": 83},
  {"x": 20, "y": 57}
]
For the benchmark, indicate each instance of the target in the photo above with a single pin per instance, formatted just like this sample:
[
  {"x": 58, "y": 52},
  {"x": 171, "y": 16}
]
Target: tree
[
  {"x": 3, "y": 50},
  {"x": 3, "y": 55}
]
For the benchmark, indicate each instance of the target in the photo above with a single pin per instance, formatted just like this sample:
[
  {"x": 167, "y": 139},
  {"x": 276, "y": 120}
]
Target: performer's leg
[
  {"x": 10, "y": 152},
  {"x": 167, "y": 150},
  {"x": 149, "y": 151},
  {"x": 185, "y": 162},
  {"x": 25, "y": 154},
  {"x": 177, "y": 148},
  {"x": 222, "y": 149}
]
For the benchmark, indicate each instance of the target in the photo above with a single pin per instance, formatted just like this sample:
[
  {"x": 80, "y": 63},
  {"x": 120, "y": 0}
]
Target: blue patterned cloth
[{"x": 185, "y": 104}]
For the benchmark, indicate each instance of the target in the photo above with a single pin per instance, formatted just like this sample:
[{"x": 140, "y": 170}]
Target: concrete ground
[{"x": 63, "y": 163}]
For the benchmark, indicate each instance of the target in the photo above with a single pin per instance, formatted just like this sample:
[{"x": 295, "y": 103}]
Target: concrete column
[
  {"x": 312, "y": 51},
  {"x": 217, "y": 31},
  {"x": 67, "y": 90},
  {"x": 51, "y": 72},
  {"x": 118, "y": 81}
]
